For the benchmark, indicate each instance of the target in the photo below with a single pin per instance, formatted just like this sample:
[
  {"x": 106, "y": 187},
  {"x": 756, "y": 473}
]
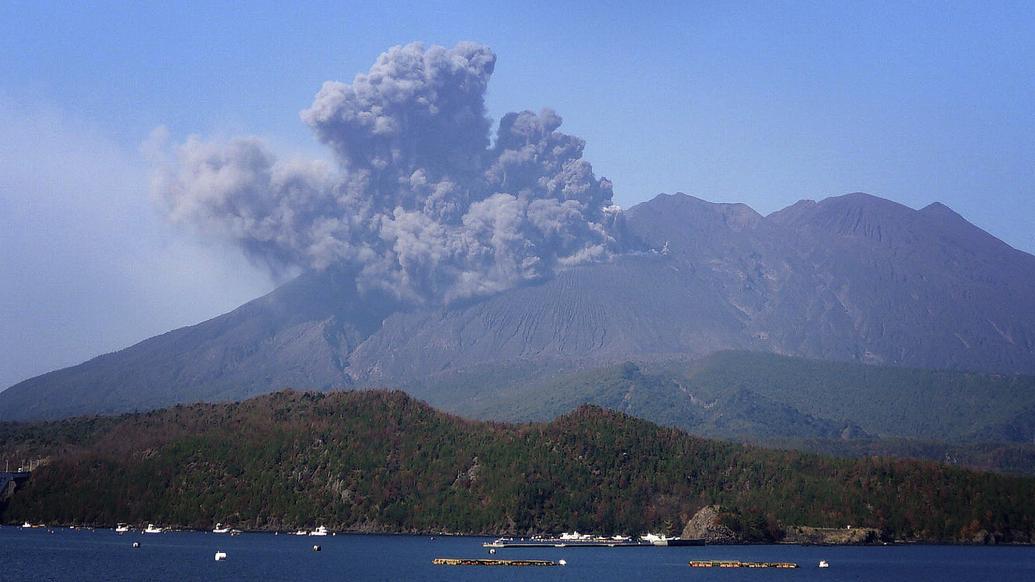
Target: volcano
[{"x": 852, "y": 278}]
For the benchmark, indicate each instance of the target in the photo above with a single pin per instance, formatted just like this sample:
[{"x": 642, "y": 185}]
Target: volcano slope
[{"x": 853, "y": 278}]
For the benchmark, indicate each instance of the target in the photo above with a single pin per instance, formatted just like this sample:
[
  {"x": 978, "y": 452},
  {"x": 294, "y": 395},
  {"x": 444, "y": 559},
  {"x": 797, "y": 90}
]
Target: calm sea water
[{"x": 103, "y": 555}]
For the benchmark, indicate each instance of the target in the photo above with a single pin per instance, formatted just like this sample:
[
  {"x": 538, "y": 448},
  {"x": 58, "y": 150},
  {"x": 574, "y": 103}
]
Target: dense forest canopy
[{"x": 382, "y": 461}]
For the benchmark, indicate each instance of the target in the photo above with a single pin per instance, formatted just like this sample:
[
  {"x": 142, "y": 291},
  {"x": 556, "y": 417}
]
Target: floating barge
[
  {"x": 739, "y": 564},
  {"x": 491, "y": 562}
]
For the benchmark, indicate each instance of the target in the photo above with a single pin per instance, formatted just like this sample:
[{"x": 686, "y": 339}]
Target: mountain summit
[{"x": 849, "y": 278}]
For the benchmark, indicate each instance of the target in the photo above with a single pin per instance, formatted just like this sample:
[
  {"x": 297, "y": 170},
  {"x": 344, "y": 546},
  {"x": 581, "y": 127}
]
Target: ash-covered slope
[
  {"x": 852, "y": 278},
  {"x": 642, "y": 306},
  {"x": 299, "y": 335}
]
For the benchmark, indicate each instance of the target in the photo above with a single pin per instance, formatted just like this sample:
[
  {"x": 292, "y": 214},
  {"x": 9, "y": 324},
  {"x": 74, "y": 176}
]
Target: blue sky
[{"x": 759, "y": 102}]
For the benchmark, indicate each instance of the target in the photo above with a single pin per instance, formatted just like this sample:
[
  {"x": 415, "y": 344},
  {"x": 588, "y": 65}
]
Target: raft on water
[
  {"x": 739, "y": 564},
  {"x": 490, "y": 562}
]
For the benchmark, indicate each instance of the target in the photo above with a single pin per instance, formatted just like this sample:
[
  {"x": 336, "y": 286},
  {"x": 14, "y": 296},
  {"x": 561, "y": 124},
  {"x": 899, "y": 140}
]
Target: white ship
[
  {"x": 152, "y": 528},
  {"x": 320, "y": 531}
]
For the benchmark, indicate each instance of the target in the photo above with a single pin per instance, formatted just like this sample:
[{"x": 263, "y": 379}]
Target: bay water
[{"x": 64, "y": 554}]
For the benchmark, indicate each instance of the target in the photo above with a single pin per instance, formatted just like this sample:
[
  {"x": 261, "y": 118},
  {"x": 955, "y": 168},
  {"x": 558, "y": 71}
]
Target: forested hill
[
  {"x": 983, "y": 421},
  {"x": 382, "y": 461}
]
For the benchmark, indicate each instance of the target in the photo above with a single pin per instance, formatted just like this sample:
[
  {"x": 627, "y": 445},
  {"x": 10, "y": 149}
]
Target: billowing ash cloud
[{"x": 420, "y": 203}]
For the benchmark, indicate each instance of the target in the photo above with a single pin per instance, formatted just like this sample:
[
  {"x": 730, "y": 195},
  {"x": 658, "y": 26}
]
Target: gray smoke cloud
[{"x": 420, "y": 202}]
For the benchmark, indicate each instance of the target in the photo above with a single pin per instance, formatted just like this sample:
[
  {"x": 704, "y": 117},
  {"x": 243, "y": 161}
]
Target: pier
[{"x": 575, "y": 541}]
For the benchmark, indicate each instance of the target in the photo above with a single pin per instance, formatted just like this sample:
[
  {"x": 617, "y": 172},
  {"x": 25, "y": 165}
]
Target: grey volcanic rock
[
  {"x": 851, "y": 278},
  {"x": 643, "y": 305},
  {"x": 706, "y": 525}
]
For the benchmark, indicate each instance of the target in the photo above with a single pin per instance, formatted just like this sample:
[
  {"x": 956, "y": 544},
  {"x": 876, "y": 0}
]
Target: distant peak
[
  {"x": 855, "y": 200},
  {"x": 734, "y": 215},
  {"x": 857, "y": 196},
  {"x": 678, "y": 196},
  {"x": 939, "y": 209},
  {"x": 862, "y": 199},
  {"x": 856, "y": 215},
  {"x": 793, "y": 210},
  {"x": 687, "y": 198}
]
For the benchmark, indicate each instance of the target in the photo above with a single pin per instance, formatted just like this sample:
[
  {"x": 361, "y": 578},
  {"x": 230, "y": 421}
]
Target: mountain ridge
[
  {"x": 762, "y": 398},
  {"x": 849, "y": 278}
]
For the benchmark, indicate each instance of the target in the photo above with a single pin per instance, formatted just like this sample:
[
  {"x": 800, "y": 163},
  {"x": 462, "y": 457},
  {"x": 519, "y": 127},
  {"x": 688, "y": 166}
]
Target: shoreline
[{"x": 435, "y": 534}]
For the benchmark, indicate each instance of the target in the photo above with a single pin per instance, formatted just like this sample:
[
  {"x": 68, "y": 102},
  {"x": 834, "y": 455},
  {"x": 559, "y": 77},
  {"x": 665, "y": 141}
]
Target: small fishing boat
[
  {"x": 320, "y": 531},
  {"x": 152, "y": 528}
]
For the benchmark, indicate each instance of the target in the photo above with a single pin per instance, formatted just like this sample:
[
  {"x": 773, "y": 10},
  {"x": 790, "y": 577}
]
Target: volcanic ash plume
[{"x": 420, "y": 202}]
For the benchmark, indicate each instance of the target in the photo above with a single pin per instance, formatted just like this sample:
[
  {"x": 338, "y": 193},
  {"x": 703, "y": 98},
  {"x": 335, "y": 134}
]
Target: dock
[
  {"x": 739, "y": 564},
  {"x": 490, "y": 562},
  {"x": 566, "y": 544},
  {"x": 589, "y": 543}
]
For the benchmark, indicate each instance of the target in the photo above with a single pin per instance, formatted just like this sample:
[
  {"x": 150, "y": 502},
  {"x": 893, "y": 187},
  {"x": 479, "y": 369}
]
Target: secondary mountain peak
[
  {"x": 853, "y": 215},
  {"x": 939, "y": 209},
  {"x": 699, "y": 212}
]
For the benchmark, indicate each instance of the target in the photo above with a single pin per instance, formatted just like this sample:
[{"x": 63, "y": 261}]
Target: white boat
[
  {"x": 121, "y": 528},
  {"x": 220, "y": 556},
  {"x": 653, "y": 538},
  {"x": 301, "y": 532},
  {"x": 152, "y": 528},
  {"x": 220, "y": 528},
  {"x": 824, "y": 564},
  {"x": 320, "y": 531}
]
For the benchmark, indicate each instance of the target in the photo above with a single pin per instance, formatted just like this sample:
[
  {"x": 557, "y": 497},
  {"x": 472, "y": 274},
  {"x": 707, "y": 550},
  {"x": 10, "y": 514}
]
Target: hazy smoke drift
[{"x": 422, "y": 204}]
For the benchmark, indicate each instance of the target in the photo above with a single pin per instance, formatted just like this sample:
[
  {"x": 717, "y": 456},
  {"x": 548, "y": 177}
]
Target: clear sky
[{"x": 757, "y": 102}]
